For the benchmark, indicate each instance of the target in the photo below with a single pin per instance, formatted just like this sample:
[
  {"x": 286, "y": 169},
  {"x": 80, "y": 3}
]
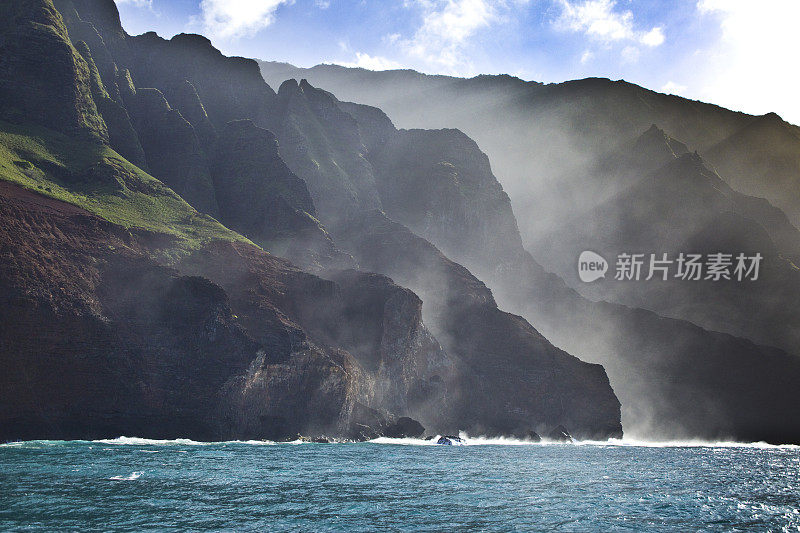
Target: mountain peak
[
  {"x": 655, "y": 146},
  {"x": 288, "y": 87}
]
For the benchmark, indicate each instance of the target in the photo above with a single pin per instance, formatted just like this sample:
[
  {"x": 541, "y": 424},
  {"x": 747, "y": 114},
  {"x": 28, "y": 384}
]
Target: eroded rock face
[
  {"x": 123, "y": 345},
  {"x": 510, "y": 380},
  {"x": 440, "y": 185},
  {"x": 122, "y": 137},
  {"x": 262, "y": 199},
  {"x": 396, "y": 365},
  {"x": 312, "y": 371},
  {"x": 43, "y": 79},
  {"x": 173, "y": 151},
  {"x": 230, "y": 88},
  {"x": 90, "y": 319},
  {"x": 321, "y": 143}
]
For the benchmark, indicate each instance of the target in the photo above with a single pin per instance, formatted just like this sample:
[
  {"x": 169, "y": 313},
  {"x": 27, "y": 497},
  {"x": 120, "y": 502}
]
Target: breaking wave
[
  {"x": 131, "y": 477},
  {"x": 468, "y": 441}
]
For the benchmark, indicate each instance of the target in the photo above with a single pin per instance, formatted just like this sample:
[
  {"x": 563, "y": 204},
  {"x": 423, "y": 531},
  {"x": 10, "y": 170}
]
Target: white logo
[{"x": 591, "y": 266}]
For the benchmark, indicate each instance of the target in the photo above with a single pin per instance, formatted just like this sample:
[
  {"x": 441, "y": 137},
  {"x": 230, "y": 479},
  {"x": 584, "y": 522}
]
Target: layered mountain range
[{"x": 188, "y": 252}]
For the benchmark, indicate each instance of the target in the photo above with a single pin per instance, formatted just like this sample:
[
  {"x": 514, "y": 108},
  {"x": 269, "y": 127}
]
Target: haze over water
[{"x": 134, "y": 484}]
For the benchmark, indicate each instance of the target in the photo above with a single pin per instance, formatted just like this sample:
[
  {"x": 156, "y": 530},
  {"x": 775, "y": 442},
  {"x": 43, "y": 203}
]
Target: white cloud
[
  {"x": 599, "y": 21},
  {"x": 586, "y": 56},
  {"x": 228, "y": 19},
  {"x": 654, "y": 37},
  {"x": 630, "y": 54},
  {"x": 322, "y": 4},
  {"x": 753, "y": 66},
  {"x": 673, "y": 88},
  {"x": 371, "y": 62},
  {"x": 446, "y": 30}
]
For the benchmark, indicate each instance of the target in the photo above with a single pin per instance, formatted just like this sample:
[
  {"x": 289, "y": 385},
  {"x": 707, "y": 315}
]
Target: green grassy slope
[{"x": 93, "y": 176}]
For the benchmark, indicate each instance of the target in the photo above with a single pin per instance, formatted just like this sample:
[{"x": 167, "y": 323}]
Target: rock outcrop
[
  {"x": 172, "y": 149},
  {"x": 322, "y": 145},
  {"x": 43, "y": 79},
  {"x": 498, "y": 354},
  {"x": 189, "y": 323},
  {"x": 261, "y": 198},
  {"x": 123, "y": 345}
]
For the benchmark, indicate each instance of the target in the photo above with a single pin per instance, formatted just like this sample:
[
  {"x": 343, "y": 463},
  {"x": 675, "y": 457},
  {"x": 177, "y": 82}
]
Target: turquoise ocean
[{"x": 130, "y": 484}]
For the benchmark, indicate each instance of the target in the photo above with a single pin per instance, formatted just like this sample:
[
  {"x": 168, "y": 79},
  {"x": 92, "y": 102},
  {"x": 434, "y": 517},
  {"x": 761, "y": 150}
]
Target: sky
[{"x": 741, "y": 54}]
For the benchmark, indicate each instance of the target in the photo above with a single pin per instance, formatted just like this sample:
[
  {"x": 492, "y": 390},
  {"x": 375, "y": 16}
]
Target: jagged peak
[
  {"x": 102, "y": 14},
  {"x": 655, "y": 142},
  {"x": 288, "y": 88},
  {"x": 691, "y": 166},
  {"x": 193, "y": 39}
]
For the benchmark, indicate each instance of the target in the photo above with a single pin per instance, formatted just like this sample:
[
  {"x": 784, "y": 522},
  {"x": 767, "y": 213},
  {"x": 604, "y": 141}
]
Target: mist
[{"x": 572, "y": 155}]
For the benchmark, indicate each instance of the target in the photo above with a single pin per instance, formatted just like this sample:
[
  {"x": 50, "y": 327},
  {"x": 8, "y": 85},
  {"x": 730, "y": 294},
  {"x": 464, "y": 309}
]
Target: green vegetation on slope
[{"x": 93, "y": 176}]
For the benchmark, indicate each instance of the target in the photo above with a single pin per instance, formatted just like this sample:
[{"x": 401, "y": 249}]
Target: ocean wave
[
  {"x": 133, "y": 476},
  {"x": 631, "y": 443},
  {"x": 468, "y": 441},
  {"x": 138, "y": 441}
]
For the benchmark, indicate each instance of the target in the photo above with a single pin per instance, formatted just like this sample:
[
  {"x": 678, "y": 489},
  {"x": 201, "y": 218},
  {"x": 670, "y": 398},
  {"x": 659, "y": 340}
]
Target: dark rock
[
  {"x": 533, "y": 437},
  {"x": 261, "y": 198},
  {"x": 321, "y": 143},
  {"x": 174, "y": 154},
  {"x": 495, "y": 354},
  {"x": 559, "y": 434},
  {"x": 121, "y": 135},
  {"x": 126, "y": 346},
  {"x": 43, "y": 79},
  {"x": 186, "y": 100},
  {"x": 440, "y": 185},
  {"x": 404, "y": 427},
  {"x": 450, "y": 440}
]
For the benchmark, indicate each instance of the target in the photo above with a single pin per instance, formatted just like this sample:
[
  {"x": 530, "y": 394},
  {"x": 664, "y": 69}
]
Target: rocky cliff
[{"x": 129, "y": 310}]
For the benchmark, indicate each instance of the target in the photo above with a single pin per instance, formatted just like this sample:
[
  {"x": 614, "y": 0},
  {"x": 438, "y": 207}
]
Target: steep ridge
[
  {"x": 543, "y": 139},
  {"x": 489, "y": 377},
  {"x": 172, "y": 149},
  {"x": 514, "y": 381},
  {"x": 44, "y": 79},
  {"x": 260, "y": 197},
  {"x": 183, "y": 100},
  {"x": 321, "y": 143},
  {"x": 252, "y": 347},
  {"x": 763, "y": 159},
  {"x": 665, "y": 371},
  {"x": 100, "y": 340},
  {"x": 683, "y": 206}
]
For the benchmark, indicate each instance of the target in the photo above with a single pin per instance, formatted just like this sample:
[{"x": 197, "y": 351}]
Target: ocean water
[{"x": 137, "y": 484}]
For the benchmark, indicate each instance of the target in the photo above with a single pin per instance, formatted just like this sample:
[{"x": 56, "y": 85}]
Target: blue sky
[{"x": 740, "y": 54}]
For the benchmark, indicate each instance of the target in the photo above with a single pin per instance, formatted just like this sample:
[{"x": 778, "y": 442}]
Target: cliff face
[
  {"x": 322, "y": 145},
  {"x": 680, "y": 204},
  {"x": 176, "y": 109},
  {"x": 44, "y": 78},
  {"x": 190, "y": 322},
  {"x": 643, "y": 181},
  {"x": 512, "y": 380},
  {"x": 440, "y": 185},
  {"x": 173, "y": 151},
  {"x": 119, "y": 344},
  {"x": 395, "y": 364}
]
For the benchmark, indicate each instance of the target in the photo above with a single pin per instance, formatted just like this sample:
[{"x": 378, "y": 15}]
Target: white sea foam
[
  {"x": 131, "y": 477},
  {"x": 632, "y": 443},
  {"x": 138, "y": 441},
  {"x": 468, "y": 441}
]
